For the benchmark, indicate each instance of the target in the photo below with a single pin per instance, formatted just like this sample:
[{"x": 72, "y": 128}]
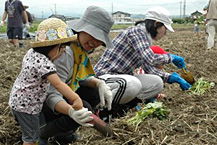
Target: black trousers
[{"x": 63, "y": 124}]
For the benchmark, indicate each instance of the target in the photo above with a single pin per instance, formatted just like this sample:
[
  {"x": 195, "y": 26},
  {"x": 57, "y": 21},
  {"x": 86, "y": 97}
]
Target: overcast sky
[{"x": 77, "y": 7}]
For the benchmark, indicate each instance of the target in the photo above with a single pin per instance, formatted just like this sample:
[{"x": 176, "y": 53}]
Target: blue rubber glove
[
  {"x": 175, "y": 78},
  {"x": 178, "y": 61}
]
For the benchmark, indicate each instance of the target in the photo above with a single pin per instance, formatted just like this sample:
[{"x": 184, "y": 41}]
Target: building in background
[
  {"x": 196, "y": 14},
  {"x": 62, "y": 17},
  {"x": 122, "y": 17}
]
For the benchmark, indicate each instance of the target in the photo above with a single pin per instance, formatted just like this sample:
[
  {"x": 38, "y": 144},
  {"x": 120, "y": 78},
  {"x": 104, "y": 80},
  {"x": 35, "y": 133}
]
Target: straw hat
[
  {"x": 52, "y": 31},
  {"x": 97, "y": 22}
]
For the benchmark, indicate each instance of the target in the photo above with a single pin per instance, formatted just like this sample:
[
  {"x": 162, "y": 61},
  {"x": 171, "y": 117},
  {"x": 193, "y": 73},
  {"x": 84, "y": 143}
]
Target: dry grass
[{"x": 192, "y": 119}]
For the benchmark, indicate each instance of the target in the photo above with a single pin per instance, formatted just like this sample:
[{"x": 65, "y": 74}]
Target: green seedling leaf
[
  {"x": 201, "y": 86},
  {"x": 155, "y": 109}
]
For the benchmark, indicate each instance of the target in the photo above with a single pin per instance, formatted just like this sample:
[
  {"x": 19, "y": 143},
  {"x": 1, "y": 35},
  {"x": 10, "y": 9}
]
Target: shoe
[
  {"x": 151, "y": 100},
  {"x": 63, "y": 139},
  {"x": 105, "y": 115},
  {"x": 43, "y": 141},
  {"x": 20, "y": 45},
  {"x": 117, "y": 111}
]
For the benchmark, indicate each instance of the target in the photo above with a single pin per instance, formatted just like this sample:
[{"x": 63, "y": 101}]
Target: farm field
[{"x": 192, "y": 119}]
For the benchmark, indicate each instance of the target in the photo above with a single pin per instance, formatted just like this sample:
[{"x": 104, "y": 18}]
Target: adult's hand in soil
[
  {"x": 105, "y": 94},
  {"x": 175, "y": 78},
  {"x": 82, "y": 116},
  {"x": 178, "y": 61}
]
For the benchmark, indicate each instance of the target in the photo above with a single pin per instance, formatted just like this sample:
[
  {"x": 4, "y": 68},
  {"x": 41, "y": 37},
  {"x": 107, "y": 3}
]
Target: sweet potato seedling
[
  {"x": 201, "y": 86},
  {"x": 155, "y": 109}
]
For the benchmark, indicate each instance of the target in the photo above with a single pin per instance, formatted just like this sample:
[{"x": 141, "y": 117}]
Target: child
[
  {"x": 29, "y": 90},
  {"x": 196, "y": 27}
]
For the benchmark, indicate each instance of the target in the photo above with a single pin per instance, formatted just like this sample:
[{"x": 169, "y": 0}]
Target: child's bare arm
[{"x": 65, "y": 90}]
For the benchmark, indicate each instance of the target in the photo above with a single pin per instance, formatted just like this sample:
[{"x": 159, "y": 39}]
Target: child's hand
[{"x": 77, "y": 104}]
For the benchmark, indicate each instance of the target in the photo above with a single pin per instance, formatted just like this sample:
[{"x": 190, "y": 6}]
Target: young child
[
  {"x": 38, "y": 71},
  {"x": 196, "y": 27}
]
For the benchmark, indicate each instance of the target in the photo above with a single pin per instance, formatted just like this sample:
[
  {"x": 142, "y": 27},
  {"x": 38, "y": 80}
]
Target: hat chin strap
[{"x": 58, "y": 50}]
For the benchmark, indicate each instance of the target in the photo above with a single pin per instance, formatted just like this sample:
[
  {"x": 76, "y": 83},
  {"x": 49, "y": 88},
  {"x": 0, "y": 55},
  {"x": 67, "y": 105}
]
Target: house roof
[
  {"x": 62, "y": 17},
  {"x": 196, "y": 13},
  {"x": 121, "y": 13}
]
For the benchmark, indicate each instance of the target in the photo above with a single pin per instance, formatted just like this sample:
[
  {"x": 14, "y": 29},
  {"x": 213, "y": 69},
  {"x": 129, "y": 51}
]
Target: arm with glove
[
  {"x": 2, "y": 23},
  {"x": 105, "y": 93},
  {"x": 3, "y": 18},
  {"x": 26, "y": 20},
  {"x": 178, "y": 61},
  {"x": 175, "y": 78}
]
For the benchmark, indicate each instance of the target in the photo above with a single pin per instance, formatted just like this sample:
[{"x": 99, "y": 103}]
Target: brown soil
[{"x": 192, "y": 118}]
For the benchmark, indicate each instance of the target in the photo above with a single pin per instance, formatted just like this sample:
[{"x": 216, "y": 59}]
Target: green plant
[
  {"x": 201, "y": 86},
  {"x": 155, "y": 109},
  {"x": 179, "y": 20},
  {"x": 120, "y": 26},
  {"x": 3, "y": 29},
  {"x": 33, "y": 29}
]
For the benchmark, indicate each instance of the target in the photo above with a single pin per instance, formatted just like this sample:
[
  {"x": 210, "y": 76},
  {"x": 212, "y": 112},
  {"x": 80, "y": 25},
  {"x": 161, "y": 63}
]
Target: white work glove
[
  {"x": 82, "y": 116},
  {"x": 105, "y": 93},
  {"x": 27, "y": 26},
  {"x": 2, "y": 23}
]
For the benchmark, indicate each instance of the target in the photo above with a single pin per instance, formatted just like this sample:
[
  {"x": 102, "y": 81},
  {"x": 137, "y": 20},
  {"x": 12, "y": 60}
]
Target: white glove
[
  {"x": 2, "y": 23},
  {"x": 105, "y": 93},
  {"x": 82, "y": 116},
  {"x": 27, "y": 26}
]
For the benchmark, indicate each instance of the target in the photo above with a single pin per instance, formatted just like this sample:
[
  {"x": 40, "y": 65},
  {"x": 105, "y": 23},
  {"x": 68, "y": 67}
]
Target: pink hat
[{"x": 158, "y": 50}]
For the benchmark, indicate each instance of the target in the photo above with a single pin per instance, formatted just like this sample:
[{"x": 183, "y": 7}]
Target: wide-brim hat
[
  {"x": 97, "y": 22},
  {"x": 158, "y": 50},
  {"x": 160, "y": 14},
  {"x": 52, "y": 31}
]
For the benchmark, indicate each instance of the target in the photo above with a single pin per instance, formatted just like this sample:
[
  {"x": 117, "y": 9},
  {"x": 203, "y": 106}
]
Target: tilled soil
[{"x": 192, "y": 118}]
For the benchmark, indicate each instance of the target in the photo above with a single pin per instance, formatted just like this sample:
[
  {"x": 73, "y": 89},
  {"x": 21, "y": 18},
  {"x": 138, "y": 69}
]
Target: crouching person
[{"x": 74, "y": 68}]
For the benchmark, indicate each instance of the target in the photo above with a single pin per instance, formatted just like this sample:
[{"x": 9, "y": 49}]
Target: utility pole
[
  {"x": 180, "y": 9},
  {"x": 112, "y": 8},
  {"x": 55, "y": 9},
  {"x": 42, "y": 14},
  {"x": 184, "y": 8}
]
